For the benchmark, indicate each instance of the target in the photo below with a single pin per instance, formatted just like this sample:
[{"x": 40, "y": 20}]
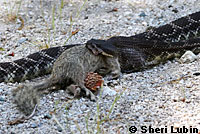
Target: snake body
[{"x": 136, "y": 52}]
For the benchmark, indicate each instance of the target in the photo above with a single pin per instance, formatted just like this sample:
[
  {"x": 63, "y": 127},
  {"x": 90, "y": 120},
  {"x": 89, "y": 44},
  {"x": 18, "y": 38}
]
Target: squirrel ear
[{"x": 95, "y": 48}]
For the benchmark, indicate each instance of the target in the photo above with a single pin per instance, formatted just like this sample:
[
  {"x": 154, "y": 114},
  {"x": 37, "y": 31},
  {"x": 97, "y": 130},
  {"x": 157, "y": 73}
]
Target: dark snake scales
[{"x": 135, "y": 52}]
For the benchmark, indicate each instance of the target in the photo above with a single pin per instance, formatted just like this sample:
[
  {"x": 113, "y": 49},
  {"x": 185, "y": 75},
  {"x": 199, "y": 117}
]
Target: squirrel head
[{"x": 102, "y": 47}]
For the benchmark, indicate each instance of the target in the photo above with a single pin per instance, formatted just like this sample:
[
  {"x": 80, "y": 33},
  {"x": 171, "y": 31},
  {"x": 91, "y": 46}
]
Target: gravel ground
[{"x": 166, "y": 95}]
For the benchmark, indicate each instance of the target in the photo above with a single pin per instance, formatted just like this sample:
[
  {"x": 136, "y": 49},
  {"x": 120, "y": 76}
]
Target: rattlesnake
[{"x": 135, "y": 52}]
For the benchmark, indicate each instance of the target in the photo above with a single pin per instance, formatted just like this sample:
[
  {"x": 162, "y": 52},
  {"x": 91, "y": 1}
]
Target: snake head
[{"x": 102, "y": 47}]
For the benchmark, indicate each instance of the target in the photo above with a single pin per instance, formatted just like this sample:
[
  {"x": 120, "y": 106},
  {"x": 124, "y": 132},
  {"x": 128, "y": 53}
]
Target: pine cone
[{"x": 93, "y": 81}]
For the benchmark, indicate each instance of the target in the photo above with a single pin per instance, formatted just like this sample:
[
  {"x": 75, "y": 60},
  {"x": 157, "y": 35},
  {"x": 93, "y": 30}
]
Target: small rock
[
  {"x": 59, "y": 129},
  {"x": 144, "y": 23},
  {"x": 2, "y": 99},
  {"x": 188, "y": 57},
  {"x": 108, "y": 91},
  {"x": 22, "y": 40},
  {"x": 142, "y": 14},
  {"x": 176, "y": 125},
  {"x": 47, "y": 116},
  {"x": 20, "y": 125},
  {"x": 34, "y": 125},
  {"x": 83, "y": 107}
]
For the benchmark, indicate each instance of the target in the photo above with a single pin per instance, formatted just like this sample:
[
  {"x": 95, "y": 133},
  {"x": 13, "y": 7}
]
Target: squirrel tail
[{"x": 27, "y": 96}]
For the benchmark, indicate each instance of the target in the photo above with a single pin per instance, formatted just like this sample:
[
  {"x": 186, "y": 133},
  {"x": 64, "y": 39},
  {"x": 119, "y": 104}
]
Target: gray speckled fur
[{"x": 69, "y": 69}]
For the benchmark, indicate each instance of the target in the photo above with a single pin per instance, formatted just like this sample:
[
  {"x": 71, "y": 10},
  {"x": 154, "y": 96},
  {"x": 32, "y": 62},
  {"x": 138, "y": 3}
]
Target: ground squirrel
[{"x": 70, "y": 69}]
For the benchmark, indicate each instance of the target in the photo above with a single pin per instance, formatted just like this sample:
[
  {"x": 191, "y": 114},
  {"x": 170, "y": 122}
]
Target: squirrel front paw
[
  {"x": 25, "y": 97},
  {"x": 114, "y": 75}
]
